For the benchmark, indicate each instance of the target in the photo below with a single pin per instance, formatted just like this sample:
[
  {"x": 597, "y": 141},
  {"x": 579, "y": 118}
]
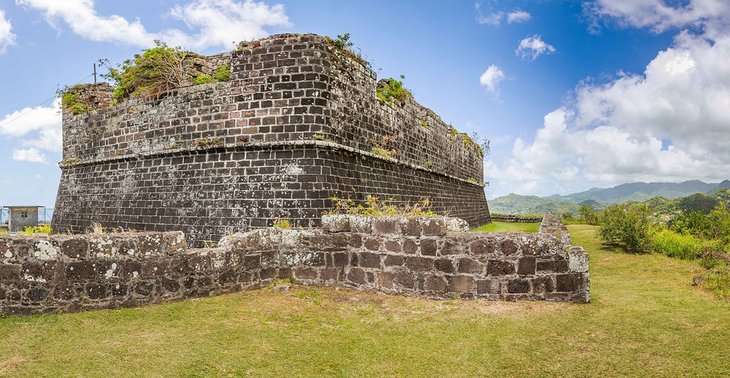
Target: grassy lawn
[
  {"x": 645, "y": 320},
  {"x": 508, "y": 227}
]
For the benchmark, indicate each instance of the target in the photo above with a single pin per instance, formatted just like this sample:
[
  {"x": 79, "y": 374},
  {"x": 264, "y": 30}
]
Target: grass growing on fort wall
[
  {"x": 645, "y": 320},
  {"x": 508, "y": 227}
]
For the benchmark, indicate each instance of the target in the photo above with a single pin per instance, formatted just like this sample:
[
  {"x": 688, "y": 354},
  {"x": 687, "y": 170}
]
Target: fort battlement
[
  {"x": 297, "y": 122},
  {"x": 431, "y": 257}
]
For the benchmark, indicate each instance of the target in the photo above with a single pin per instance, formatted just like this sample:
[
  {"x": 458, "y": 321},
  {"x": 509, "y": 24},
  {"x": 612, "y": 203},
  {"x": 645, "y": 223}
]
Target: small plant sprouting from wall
[
  {"x": 482, "y": 147},
  {"x": 423, "y": 123},
  {"x": 282, "y": 224},
  {"x": 154, "y": 71},
  {"x": 71, "y": 100},
  {"x": 42, "y": 229},
  {"x": 222, "y": 73},
  {"x": 383, "y": 147},
  {"x": 392, "y": 91},
  {"x": 374, "y": 207},
  {"x": 208, "y": 142},
  {"x": 342, "y": 44}
]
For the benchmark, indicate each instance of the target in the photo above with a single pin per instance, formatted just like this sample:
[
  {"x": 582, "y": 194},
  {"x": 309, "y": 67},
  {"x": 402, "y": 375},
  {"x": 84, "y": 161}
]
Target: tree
[{"x": 626, "y": 226}]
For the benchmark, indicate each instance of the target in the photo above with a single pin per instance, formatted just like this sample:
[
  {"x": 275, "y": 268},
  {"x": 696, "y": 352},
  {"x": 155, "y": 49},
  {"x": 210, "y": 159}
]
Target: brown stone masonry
[
  {"x": 296, "y": 124},
  {"x": 430, "y": 257}
]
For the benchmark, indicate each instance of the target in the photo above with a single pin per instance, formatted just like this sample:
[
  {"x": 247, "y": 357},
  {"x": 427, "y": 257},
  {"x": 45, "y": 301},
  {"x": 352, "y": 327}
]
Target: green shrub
[
  {"x": 392, "y": 90},
  {"x": 587, "y": 214},
  {"x": 282, "y": 224},
  {"x": 203, "y": 79},
  {"x": 71, "y": 100},
  {"x": 222, "y": 73},
  {"x": 626, "y": 226},
  {"x": 342, "y": 44},
  {"x": 153, "y": 72},
  {"x": 686, "y": 247}
]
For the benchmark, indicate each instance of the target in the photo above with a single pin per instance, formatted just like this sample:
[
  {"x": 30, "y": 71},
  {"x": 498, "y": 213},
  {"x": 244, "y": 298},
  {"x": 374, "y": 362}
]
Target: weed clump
[
  {"x": 391, "y": 91},
  {"x": 374, "y": 207}
]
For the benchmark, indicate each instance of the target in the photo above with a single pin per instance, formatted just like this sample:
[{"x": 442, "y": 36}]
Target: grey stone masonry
[
  {"x": 297, "y": 123},
  {"x": 431, "y": 257}
]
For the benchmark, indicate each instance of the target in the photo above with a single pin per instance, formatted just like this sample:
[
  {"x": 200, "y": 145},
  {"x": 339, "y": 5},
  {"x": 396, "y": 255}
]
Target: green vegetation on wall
[{"x": 391, "y": 91}]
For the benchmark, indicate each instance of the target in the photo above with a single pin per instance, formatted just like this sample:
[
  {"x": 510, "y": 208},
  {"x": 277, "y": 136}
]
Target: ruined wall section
[{"x": 430, "y": 257}]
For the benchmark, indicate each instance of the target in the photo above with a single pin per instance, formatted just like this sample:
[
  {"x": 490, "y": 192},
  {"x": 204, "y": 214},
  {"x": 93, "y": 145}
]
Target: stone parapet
[{"x": 431, "y": 257}]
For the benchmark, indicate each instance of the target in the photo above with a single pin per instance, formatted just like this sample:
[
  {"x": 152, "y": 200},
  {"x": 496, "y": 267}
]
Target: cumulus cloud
[
  {"x": 496, "y": 18},
  {"x": 491, "y": 77},
  {"x": 7, "y": 38},
  {"x": 213, "y": 22},
  {"x": 660, "y": 15},
  {"x": 517, "y": 16},
  {"x": 670, "y": 123},
  {"x": 38, "y": 131},
  {"x": 532, "y": 47}
]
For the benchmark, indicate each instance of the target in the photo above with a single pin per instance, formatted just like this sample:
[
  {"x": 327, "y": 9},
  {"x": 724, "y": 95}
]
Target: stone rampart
[
  {"x": 297, "y": 123},
  {"x": 430, "y": 257}
]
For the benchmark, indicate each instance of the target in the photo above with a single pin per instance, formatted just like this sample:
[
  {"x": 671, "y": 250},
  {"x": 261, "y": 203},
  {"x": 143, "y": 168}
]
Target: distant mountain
[
  {"x": 636, "y": 191},
  {"x": 522, "y": 205}
]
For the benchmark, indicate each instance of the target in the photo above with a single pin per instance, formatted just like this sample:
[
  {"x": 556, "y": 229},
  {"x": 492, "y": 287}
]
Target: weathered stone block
[
  {"x": 436, "y": 284},
  {"x": 328, "y": 274},
  {"x": 428, "y": 247},
  {"x": 577, "y": 260},
  {"x": 356, "y": 276},
  {"x": 518, "y": 286},
  {"x": 419, "y": 264},
  {"x": 467, "y": 265},
  {"x": 372, "y": 244},
  {"x": 410, "y": 227},
  {"x": 433, "y": 226},
  {"x": 81, "y": 270},
  {"x": 543, "y": 284},
  {"x": 385, "y": 280},
  {"x": 37, "y": 294},
  {"x": 488, "y": 286},
  {"x": 96, "y": 291},
  {"x": 526, "y": 265},
  {"x": 75, "y": 247},
  {"x": 557, "y": 266},
  {"x": 393, "y": 260},
  {"x": 410, "y": 246},
  {"x": 444, "y": 265},
  {"x": 461, "y": 284},
  {"x": 482, "y": 246},
  {"x": 10, "y": 271},
  {"x": 369, "y": 260},
  {"x": 392, "y": 246},
  {"x": 500, "y": 268},
  {"x": 405, "y": 279},
  {"x": 386, "y": 225},
  {"x": 509, "y": 247},
  {"x": 568, "y": 282},
  {"x": 305, "y": 273}
]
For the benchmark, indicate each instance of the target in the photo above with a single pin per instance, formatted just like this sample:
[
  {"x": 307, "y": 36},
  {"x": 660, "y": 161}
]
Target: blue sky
[{"x": 572, "y": 94}]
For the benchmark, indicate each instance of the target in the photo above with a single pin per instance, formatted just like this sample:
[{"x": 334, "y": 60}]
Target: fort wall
[
  {"x": 297, "y": 123},
  {"x": 431, "y": 257}
]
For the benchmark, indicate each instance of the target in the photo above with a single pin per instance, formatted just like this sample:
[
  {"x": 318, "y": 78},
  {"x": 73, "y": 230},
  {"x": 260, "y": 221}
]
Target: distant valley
[{"x": 637, "y": 191}]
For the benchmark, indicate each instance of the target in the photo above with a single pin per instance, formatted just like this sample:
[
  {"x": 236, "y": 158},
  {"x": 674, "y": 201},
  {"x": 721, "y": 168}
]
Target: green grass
[
  {"x": 508, "y": 227},
  {"x": 645, "y": 320}
]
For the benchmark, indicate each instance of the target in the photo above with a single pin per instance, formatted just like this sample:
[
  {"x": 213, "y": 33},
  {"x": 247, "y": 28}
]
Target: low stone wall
[{"x": 431, "y": 257}]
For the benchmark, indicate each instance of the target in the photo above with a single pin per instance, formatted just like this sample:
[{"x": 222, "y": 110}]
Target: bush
[
  {"x": 154, "y": 71},
  {"x": 392, "y": 90},
  {"x": 626, "y": 226},
  {"x": 588, "y": 215},
  {"x": 686, "y": 247},
  {"x": 717, "y": 281},
  {"x": 222, "y": 73},
  {"x": 42, "y": 229}
]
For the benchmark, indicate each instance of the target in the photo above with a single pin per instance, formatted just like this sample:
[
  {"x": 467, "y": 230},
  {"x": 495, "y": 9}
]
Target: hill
[
  {"x": 521, "y": 205},
  {"x": 595, "y": 197}
]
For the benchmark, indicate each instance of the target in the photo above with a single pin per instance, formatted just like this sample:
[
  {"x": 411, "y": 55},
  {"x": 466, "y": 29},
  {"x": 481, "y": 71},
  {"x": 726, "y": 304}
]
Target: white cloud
[
  {"x": 30, "y": 155},
  {"x": 532, "y": 47},
  {"x": 7, "y": 38},
  {"x": 710, "y": 15},
  {"x": 214, "y": 22},
  {"x": 491, "y": 77},
  {"x": 670, "y": 123},
  {"x": 517, "y": 16},
  {"x": 37, "y": 130},
  {"x": 496, "y": 18}
]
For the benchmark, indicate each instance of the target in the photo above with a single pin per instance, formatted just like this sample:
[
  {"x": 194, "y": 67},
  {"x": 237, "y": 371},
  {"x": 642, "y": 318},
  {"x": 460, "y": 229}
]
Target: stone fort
[{"x": 297, "y": 122}]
